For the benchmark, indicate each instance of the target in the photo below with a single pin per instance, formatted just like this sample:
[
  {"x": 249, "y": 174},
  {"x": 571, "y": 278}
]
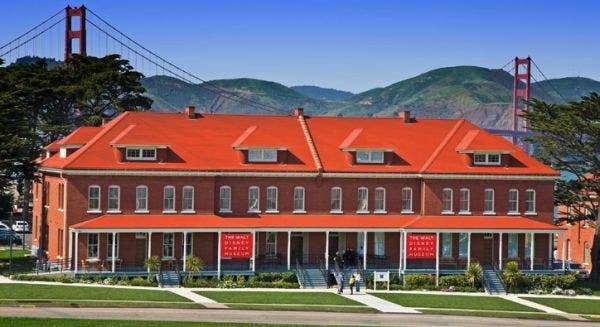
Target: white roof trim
[{"x": 306, "y": 229}]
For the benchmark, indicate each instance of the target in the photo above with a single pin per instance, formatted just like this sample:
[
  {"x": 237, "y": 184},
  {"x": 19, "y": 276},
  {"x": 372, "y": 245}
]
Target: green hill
[
  {"x": 321, "y": 93},
  {"x": 571, "y": 88}
]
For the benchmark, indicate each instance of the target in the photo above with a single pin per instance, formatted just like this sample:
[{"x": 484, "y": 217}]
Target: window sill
[
  {"x": 94, "y": 211},
  {"x": 141, "y": 211},
  {"x": 113, "y": 211},
  {"x": 530, "y": 213},
  {"x": 253, "y": 211},
  {"x": 271, "y": 211},
  {"x": 167, "y": 258},
  {"x": 380, "y": 212},
  {"x": 225, "y": 211},
  {"x": 447, "y": 212},
  {"x": 407, "y": 212},
  {"x": 169, "y": 211},
  {"x": 61, "y": 210},
  {"x": 489, "y": 213},
  {"x": 188, "y": 211},
  {"x": 465, "y": 213},
  {"x": 513, "y": 213},
  {"x": 299, "y": 211},
  {"x": 93, "y": 260},
  {"x": 362, "y": 212},
  {"x": 336, "y": 211}
]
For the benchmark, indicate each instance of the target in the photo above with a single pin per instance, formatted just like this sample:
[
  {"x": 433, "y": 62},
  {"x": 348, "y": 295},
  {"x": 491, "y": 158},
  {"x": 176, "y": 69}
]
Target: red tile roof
[
  {"x": 312, "y": 221},
  {"x": 80, "y": 136},
  {"x": 207, "y": 144}
]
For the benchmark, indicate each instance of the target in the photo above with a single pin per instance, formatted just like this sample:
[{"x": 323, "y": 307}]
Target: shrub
[
  {"x": 419, "y": 281},
  {"x": 458, "y": 281},
  {"x": 474, "y": 274},
  {"x": 511, "y": 275}
]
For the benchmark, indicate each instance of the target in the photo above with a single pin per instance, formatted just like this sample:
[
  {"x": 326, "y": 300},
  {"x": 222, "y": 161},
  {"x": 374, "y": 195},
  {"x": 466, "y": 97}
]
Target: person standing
[
  {"x": 340, "y": 281},
  {"x": 351, "y": 283},
  {"x": 357, "y": 281}
]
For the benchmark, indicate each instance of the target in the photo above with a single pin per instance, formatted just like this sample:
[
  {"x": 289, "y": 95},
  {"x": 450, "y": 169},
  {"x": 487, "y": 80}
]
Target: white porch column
[
  {"x": 184, "y": 249},
  {"x": 77, "y": 251},
  {"x": 500, "y": 252},
  {"x": 327, "y": 250},
  {"x": 468, "y": 250},
  {"x": 400, "y": 254},
  {"x": 437, "y": 258},
  {"x": 289, "y": 247},
  {"x": 563, "y": 251},
  {"x": 114, "y": 248},
  {"x": 253, "y": 253},
  {"x": 70, "y": 257},
  {"x": 149, "y": 247},
  {"x": 404, "y": 251},
  {"x": 365, "y": 251},
  {"x": 219, "y": 255},
  {"x": 532, "y": 254}
]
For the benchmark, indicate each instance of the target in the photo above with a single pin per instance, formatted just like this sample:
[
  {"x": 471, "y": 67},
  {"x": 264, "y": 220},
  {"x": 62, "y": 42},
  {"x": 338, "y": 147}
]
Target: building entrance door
[
  {"x": 141, "y": 250},
  {"x": 334, "y": 244},
  {"x": 296, "y": 248},
  {"x": 487, "y": 257}
]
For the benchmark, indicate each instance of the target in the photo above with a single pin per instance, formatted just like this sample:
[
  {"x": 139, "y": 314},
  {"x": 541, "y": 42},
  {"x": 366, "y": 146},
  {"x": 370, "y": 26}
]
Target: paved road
[{"x": 284, "y": 317}]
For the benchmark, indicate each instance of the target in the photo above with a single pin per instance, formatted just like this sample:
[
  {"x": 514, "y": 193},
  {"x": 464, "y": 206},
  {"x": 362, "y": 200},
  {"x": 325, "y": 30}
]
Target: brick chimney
[
  {"x": 190, "y": 112},
  {"x": 405, "y": 116},
  {"x": 298, "y": 111}
]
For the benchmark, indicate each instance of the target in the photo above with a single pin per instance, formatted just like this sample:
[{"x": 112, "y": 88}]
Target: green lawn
[
  {"x": 494, "y": 314},
  {"x": 35, "y": 322},
  {"x": 62, "y": 295},
  {"x": 17, "y": 253},
  {"x": 582, "y": 306},
  {"x": 453, "y": 302},
  {"x": 290, "y": 301}
]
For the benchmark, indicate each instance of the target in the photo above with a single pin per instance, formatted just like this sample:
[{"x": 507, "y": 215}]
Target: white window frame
[
  {"x": 365, "y": 208},
  {"x": 225, "y": 201},
  {"x": 166, "y": 209},
  {"x": 462, "y": 200},
  {"x": 379, "y": 243},
  {"x": 260, "y": 155},
  {"x": 369, "y": 156},
  {"x": 272, "y": 199},
  {"x": 110, "y": 209},
  {"x": 513, "y": 238},
  {"x": 527, "y": 246},
  {"x": 513, "y": 201},
  {"x": 168, "y": 246},
  {"x": 251, "y": 199},
  {"x": 140, "y": 154},
  {"x": 138, "y": 208},
  {"x": 486, "y": 159},
  {"x": 109, "y": 245},
  {"x": 338, "y": 190},
  {"x": 189, "y": 209},
  {"x": 451, "y": 199},
  {"x": 271, "y": 246},
  {"x": 487, "y": 202},
  {"x": 91, "y": 247},
  {"x": 446, "y": 251},
  {"x": 90, "y": 199},
  {"x": 380, "y": 207},
  {"x": 407, "y": 201},
  {"x": 530, "y": 203},
  {"x": 299, "y": 190},
  {"x": 463, "y": 245},
  {"x": 189, "y": 243}
]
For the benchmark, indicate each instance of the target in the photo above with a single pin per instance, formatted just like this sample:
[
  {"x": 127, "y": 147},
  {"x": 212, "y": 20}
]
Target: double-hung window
[
  {"x": 530, "y": 202},
  {"x": 272, "y": 199},
  {"x": 94, "y": 198},
  {"x": 447, "y": 201},
  {"x": 114, "y": 198},
  {"x": 168, "y": 242},
  {"x": 92, "y": 246},
  {"x": 299, "y": 195},
  {"x": 363, "y": 200},
  {"x": 336, "y": 199},
  {"x": 446, "y": 244},
  {"x": 465, "y": 201},
  {"x": 380, "y": 200},
  {"x": 225, "y": 199},
  {"x": 141, "y": 199},
  {"x": 407, "y": 195},
  {"x": 379, "y": 243},
  {"x": 513, "y": 202},
  {"x": 528, "y": 240},
  {"x": 271, "y": 244},
  {"x": 488, "y": 201},
  {"x": 463, "y": 245},
  {"x": 513, "y": 245},
  {"x": 187, "y": 203},
  {"x": 169, "y": 199},
  {"x": 109, "y": 241},
  {"x": 253, "y": 199}
]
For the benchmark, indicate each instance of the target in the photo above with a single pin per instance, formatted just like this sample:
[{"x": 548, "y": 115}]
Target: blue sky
[{"x": 349, "y": 45}]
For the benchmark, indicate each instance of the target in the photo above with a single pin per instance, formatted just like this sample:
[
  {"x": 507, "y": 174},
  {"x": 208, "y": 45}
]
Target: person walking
[
  {"x": 351, "y": 283},
  {"x": 340, "y": 281},
  {"x": 357, "y": 281}
]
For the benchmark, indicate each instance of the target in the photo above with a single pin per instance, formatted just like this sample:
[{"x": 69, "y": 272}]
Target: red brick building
[{"x": 405, "y": 194}]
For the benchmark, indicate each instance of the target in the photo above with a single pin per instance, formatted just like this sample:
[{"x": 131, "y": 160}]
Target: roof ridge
[
  {"x": 441, "y": 146},
  {"x": 351, "y": 138},
  {"x": 106, "y": 129},
  {"x": 244, "y": 136},
  {"x": 311, "y": 144}
]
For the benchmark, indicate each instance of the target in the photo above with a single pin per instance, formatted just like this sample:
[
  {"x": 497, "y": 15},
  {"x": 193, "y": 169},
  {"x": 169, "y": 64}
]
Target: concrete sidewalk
[
  {"x": 197, "y": 298},
  {"x": 379, "y": 304}
]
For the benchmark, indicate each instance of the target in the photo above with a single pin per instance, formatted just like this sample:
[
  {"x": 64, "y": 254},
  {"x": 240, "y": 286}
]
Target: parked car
[
  {"x": 4, "y": 227},
  {"x": 7, "y": 235},
  {"x": 20, "y": 226}
]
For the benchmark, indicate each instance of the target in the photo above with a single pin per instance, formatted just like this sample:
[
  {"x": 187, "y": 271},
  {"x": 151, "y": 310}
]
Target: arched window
[
  {"x": 271, "y": 199},
  {"x": 141, "y": 199},
  {"x": 299, "y": 199},
  {"x": 336, "y": 199},
  {"x": 93, "y": 198},
  {"x": 169, "y": 199},
  {"x": 465, "y": 201},
  {"x": 447, "y": 201},
  {"x": 253, "y": 199},
  {"x": 380, "y": 200},
  {"x": 363, "y": 200},
  {"x": 407, "y": 194},
  {"x": 225, "y": 199}
]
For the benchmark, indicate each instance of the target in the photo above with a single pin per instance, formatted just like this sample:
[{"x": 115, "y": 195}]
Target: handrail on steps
[{"x": 300, "y": 274}]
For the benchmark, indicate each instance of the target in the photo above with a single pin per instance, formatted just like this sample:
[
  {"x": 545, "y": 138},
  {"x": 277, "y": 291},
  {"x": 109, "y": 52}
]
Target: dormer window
[
  {"x": 486, "y": 159},
  {"x": 262, "y": 155},
  {"x": 141, "y": 153},
  {"x": 369, "y": 156}
]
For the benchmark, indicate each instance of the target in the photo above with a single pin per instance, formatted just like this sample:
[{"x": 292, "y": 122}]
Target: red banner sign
[
  {"x": 420, "y": 246},
  {"x": 236, "y": 245}
]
